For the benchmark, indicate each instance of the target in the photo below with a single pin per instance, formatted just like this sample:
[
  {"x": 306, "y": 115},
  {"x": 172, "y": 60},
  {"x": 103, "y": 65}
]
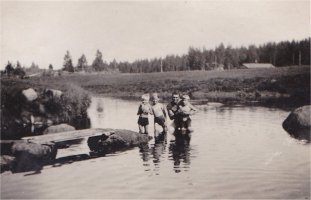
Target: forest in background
[{"x": 285, "y": 53}]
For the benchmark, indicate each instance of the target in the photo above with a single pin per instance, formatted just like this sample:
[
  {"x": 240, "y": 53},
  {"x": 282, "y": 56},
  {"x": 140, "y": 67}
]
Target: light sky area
[{"x": 42, "y": 31}]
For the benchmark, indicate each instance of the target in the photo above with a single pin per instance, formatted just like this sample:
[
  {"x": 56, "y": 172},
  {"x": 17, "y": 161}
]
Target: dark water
[{"x": 235, "y": 152}]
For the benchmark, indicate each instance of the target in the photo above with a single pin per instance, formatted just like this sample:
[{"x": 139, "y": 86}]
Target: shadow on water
[
  {"x": 58, "y": 163},
  {"x": 71, "y": 159},
  {"x": 92, "y": 155},
  {"x": 35, "y": 165}
]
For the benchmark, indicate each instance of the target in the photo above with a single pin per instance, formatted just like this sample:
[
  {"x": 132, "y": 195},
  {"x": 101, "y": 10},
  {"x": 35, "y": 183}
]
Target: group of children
[{"x": 185, "y": 109}]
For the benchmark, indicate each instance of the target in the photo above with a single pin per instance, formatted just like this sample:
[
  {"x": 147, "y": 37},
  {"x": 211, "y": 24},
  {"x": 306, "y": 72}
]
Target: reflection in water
[
  {"x": 179, "y": 150},
  {"x": 156, "y": 150},
  {"x": 144, "y": 150},
  {"x": 100, "y": 106}
]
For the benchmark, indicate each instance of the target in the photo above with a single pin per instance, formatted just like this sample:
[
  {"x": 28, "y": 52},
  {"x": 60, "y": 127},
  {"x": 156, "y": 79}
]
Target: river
[{"x": 236, "y": 152}]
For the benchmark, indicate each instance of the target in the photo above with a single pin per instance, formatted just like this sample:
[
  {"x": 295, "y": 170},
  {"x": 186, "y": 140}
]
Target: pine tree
[
  {"x": 68, "y": 63},
  {"x": 98, "y": 64},
  {"x": 18, "y": 71},
  {"x": 113, "y": 66},
  {"x": 194, "y": 58},
  {"x": 18, "y": 65},
  {"x": 82, "y": 63},
  {"x": 220, "y": 54},
  {"x": 9, "y": 70}
]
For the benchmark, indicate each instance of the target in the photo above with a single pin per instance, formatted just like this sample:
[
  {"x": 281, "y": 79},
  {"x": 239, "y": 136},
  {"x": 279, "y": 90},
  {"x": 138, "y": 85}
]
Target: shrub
[{"x": 18, "y": 114}]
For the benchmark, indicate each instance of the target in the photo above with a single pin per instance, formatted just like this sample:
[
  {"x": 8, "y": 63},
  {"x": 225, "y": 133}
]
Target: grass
[
  {"x": 242, "y": 84},
  {"x": 286, "y": 83}
]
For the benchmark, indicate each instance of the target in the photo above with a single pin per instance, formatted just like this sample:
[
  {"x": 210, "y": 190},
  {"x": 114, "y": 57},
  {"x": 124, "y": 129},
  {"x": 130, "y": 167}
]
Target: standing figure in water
[
  {"x": 159, "y": 113},
  {"x": 172, "y": 110},
  {"x": 185, "y": 109},
  {"x": 144, "y": 110}
]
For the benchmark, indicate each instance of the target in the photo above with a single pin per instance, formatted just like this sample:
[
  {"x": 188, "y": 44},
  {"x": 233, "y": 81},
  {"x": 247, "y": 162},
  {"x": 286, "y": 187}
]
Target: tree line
[
  {"x": 279, "y": 54},
  {"x": 14, "y": 70},
  {"x": 98, "y": 64},
  {"x": 18, "y": 71}
]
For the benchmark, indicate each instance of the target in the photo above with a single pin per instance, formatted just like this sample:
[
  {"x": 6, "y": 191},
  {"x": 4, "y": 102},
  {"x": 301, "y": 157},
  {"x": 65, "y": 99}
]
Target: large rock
[
  {"x": 31, "y": 156},
  {"x": 120, "y": 139},
  {"x": 58, "y": 128},
  {"x": 6, "y": 146},
  {"x": 53, "y": 93},
  {"x": 30, "y": 94},
  {"x": 298, "y": 123},
  {"x": 6, "y": 162}
]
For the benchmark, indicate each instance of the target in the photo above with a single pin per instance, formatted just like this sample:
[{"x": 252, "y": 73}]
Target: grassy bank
[{"x": 288, "y": 84}]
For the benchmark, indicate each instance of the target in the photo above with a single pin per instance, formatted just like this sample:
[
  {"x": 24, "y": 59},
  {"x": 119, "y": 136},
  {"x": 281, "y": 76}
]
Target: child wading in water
[
  {"x": 185, "y": 110},
  {"x": 144, "y": 110},
  {"x": 159, "y": 113}
]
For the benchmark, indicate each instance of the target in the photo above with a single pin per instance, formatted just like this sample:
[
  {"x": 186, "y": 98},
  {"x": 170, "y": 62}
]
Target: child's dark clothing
[{"x": 143, "y": 111}]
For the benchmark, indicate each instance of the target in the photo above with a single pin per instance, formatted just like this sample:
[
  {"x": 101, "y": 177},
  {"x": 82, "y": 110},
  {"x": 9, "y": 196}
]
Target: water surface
[{"x": 235, "y": 152}]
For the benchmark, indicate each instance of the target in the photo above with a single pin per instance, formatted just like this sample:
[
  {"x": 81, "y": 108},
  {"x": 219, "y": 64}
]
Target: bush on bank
[{"x": 21, "y": 117}]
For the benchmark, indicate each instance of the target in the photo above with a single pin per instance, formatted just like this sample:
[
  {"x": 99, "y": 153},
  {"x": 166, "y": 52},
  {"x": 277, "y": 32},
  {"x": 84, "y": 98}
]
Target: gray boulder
[
  {"x": 31, "y": 156},
  {"x": 119, "y": 140},
  {"x": 53, "y": 94},
  {"x": 298, "y": 123},
  {"x": 58, "y": 128},
  {"x": 30, "y": 94}
]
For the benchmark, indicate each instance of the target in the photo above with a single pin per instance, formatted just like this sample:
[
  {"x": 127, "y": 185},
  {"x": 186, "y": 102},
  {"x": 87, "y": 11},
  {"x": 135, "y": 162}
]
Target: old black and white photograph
[{"x": 153, "y": 99}]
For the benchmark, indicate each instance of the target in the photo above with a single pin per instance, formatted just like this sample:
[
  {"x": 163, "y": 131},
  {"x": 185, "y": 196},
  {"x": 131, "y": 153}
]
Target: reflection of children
[
  {"x": 185, "y": 110},
  {"x": 159, "y": 112},
  {"x": 144, "y": 110}
]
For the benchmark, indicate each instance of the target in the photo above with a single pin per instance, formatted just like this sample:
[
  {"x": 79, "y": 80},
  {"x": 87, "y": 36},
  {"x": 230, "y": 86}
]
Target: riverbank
[
  {"x": 274, "y": 86},
  {"x": 286, "y": 85}
]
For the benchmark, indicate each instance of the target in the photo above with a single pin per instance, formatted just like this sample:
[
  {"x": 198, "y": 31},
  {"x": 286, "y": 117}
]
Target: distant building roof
[
  {"x": 258, "y": 65},
  {"x": 36, "y": 74}
]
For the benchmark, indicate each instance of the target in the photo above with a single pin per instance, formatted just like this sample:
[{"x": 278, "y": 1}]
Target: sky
[{"x": 42, "y": 31}]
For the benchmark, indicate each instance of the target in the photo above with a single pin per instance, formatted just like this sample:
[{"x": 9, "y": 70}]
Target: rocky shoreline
[
  {"x": 28, "y": 155},
  {"x": 29, "y": 111}
]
